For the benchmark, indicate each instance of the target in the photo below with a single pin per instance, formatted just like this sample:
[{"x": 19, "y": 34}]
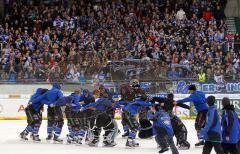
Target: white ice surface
[{"x": 11, "y": 144}]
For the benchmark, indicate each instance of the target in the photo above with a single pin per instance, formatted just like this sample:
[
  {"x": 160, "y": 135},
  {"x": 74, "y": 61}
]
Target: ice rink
[{"x": 11, "y": 144}]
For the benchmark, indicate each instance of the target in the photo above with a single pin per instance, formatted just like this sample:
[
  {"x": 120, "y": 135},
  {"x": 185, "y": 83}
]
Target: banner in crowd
[{"x": 181, "y": 87}]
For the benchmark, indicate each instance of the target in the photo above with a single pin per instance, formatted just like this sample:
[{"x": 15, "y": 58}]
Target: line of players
[{"x": 88, "y": 113}]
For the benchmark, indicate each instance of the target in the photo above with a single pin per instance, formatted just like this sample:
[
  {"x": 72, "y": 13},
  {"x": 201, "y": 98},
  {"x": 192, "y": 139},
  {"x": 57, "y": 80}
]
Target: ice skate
[
  {"x": 163, "y": 150},
  {"x": 56, "y": 139},
  {"x": 184, "y": 146},
  {"x": 131, "y": 143},
  {"x": 199, "y": 144},
  {"x": 125, "y": 134},
  {"x": 93, "y": 143},
  {"x": 36, "y": 138},
  {"x": 69, "y": 139},
  {"x": 108, "y": 143},
  {"x": 23, "y": 136},
  {"x": 79, "y": 140},
  {"x": 49, "y": 137}
]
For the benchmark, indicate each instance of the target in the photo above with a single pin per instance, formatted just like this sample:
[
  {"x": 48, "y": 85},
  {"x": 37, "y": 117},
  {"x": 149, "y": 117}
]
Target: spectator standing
[
  {"x": 201, "y": 76},
  {"x": 181, "y": 15},
  {"x": 207, "y": 14}
]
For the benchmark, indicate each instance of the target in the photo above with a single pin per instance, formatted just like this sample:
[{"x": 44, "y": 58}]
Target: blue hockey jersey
[
  {"x": 134, "y": 107},
  {"x": 38, "y": 93},
  {"x": 212, "y": 129},
  {"x": 161, "y": 119},
  {"x": 36, "y": 104},
  {"x": 50, "y": 96},
  {"x": 73, "y": 101},
  {"x": 87, "y": 97},
  {"x": 102, "y": 104},
  {"x": 199, "y": 100},
  {"x": 230, "y": 125}
]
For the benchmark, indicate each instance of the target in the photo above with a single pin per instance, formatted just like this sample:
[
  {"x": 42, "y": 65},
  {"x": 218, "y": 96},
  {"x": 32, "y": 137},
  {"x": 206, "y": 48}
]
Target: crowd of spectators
[{"x": 65, "y": 39}]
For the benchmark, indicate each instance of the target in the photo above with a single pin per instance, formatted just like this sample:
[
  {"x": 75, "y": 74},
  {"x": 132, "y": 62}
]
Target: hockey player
[
  {"x": 180, "y": 130},
  {"x": 34, "y": 116},
  {"x": 211, "y": 132},
  {"x": 230, "y": 127},
  {"x": 73, "y": 106},
  {"x": 76, "y": 119},
  {"x": 53, "y": 126},
  {"x": 145, "y": 125},
  {"x": 84, "y": 117},
  {"x": 137, "y": 91},
  {"x": 199, "y": 101},
  {"x": 130, "y": 113},
  {"x": 103, "y": 120},
  {"x": 105, "y": 93},
  {"x": 163, "y": 129},
  {"x": 128, "y": 94}
]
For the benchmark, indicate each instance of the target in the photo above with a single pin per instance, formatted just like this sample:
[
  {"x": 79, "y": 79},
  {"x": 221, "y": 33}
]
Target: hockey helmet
[{"x": 135, "y": 83}]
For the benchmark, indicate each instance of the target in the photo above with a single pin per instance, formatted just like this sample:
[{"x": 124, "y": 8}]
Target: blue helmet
[
  {"x": 85, "y": 92},
  {"x": 39, "y": 91}
]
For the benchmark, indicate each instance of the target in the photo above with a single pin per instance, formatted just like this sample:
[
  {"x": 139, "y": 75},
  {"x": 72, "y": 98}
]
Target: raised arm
[
  {"x": 187, "y": 99},
  {"x": 184, "y": 106},
  {"x": 90, "y": 105},
  {"x": 143, "y": 103},
  {"x": 158, "y": 99}
]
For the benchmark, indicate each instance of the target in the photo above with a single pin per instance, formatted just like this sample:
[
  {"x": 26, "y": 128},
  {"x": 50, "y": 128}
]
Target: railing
[
  {"x": 178, "y": 86},
  {"x": 113, "y": 71},
  {"x": 117, "y": 71}
]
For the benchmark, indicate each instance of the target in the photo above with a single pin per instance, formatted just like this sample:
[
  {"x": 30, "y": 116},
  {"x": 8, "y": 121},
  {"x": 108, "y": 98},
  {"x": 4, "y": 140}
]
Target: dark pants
[
  {"x": 230, "y": 148},
  {"x": 238, "y": 146},
  {"x": 83, "y": 120},
  {"x": 200, "y": 120},
  {"x": 130, "y": 120},
  {"x": 103, "y": 121},
  {"x": 207, "y": 148},
  {"x": 51, "y": 119},
  {"x": 58, "y": 119},
  {"x": 73, "y": 119},
  {"x": 80, "y": 120},
  {"x": 180, "y": 130},
  {"x": 32, "y": 115},
  {"x": 69, "y": 116},
  {"x": 164, "y": 140},
  {"x": 34, "y": 119}
]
